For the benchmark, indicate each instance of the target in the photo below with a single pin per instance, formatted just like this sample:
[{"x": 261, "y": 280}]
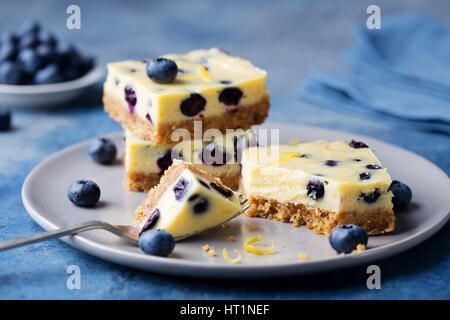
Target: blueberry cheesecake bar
[
  {"x": 153, "y": 98},
  {"x": 186, "y": 201},
  {"x": 145, "y": 162},
  {"x": 319, "y": 184}
]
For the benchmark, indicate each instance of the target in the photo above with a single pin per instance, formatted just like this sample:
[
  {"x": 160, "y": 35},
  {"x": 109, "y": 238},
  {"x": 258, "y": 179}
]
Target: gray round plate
[{"x": 44, "y": 197}]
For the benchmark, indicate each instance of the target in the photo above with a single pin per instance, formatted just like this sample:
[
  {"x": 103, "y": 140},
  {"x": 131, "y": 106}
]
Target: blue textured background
[{"x": 284, "y": 37}]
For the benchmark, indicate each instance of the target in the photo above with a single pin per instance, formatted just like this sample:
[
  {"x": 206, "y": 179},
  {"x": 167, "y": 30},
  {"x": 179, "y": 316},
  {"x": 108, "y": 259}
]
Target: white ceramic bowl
[{"x": 47, "y": 95}]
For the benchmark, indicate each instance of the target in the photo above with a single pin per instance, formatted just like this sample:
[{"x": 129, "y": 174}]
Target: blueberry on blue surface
[
  {"x": 180, "y": 188},
  {"x": 315, "y": 189},
  {"x": 402, "y": 194},
  {"x": 151, "y": 221},
  {"x": 29, "y": 61},
  {"x": 345, "y": 238},
  {"x": 29, "y": 26},
  {"x": 193, "y": 105},
  {"x": 162, "y": 70},
  {"x": 5, "y": 119},
  {"x": 66, "y": 54},
  {"x": 84, "y": 193},
  {"x": 47, "y": 38},
  {"x": 156, "y": 242},
  {"x": 8, "y": 51},
  {"x": 199, "y": 204},
  {"x": 164, "y": 161},
  {"x": 49, "y": 74},
  {"x": 357, "y": 144},
  {"x": 102, "y": 150},
  {"x": 10, "y": 37},
  {"x": 230, "y": 96},
  {"x": 46, "y": 53},
  {"x": 10, "y": 73}
]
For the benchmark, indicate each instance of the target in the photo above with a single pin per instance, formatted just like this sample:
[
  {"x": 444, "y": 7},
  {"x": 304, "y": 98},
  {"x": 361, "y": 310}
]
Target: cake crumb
[
  {"x": 303, "y": 256},
  {"x": 209, "y": 249},
  {"x": 231, "y": 239},
  {"x": 359, "y": 248}
]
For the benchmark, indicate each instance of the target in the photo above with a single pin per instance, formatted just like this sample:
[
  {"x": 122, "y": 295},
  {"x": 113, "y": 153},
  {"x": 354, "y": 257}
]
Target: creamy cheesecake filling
[
  {"x": 192, "y": 202},
  {"x": 330, "y": 176},
  {"x": 209, "y": 83}
]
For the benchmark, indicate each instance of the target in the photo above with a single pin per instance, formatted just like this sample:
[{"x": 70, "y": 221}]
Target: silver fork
[{"x": 127, "y": 232}]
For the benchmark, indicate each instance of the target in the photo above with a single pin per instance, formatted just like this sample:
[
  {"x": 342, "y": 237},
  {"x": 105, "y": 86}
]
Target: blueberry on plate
[
  {"x": 29, "y": 40},
  {"x": 84, "y": 193},
  {"x": 156, "y": 242},
  {"x": 8, "y": 51},
  {"x": 161, "y": 70},
  {"x": 10, "y": 37},
  {"x": 10, "y": 73},
  {"x": 49, "y": 74},
  {"x": 402, "y": 194},
  {"x": 102, "y": 150},
  {"x": 29, "y": 26},
  {"x": 29, "y": 61},
  {"x": 345, "y": 238},
  {"x": 47, "y": 38},
  {"x": 5, "y": 120},
  {"x": 45, "y": 52}
]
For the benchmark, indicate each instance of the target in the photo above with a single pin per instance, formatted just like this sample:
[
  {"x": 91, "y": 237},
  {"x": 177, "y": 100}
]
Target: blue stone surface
[{"x": 287, "y": 38}]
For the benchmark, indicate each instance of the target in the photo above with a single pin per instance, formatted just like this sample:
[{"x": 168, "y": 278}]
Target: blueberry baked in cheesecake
[
  {"x": 321, "y": 184},
  {"x": 145, "y": 162},
  {"x": 154, "y": 98},
  {"x": 186, "y": 201}
]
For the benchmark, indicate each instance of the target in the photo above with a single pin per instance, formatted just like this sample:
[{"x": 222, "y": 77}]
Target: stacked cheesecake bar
[{"x": 187, "y": 118}]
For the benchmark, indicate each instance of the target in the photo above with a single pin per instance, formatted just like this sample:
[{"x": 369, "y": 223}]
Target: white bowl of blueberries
[{"x": 38, "y": 70}]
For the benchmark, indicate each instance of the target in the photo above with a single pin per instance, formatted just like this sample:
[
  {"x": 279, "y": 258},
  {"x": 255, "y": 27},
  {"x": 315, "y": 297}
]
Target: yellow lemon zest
[
  {"x": 203, "y": 72},
  {"x": 226, "y": 257},
  {"x": 248, "y": 246},
  {"x": 187, "y": 77},
  {"x": 288, "y": 156}
]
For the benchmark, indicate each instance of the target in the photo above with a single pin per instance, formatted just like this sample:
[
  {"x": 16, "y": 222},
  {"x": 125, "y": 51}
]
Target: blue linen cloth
[{"x": 399, "y": 73}]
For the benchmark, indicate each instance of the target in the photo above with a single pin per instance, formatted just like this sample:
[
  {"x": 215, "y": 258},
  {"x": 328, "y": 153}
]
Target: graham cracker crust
[
  {"x": 140, "y": 181},
  {"x": 322, "y": 221},
  {"x": 242, "y": 117},
  {"x": 167, "y": 180}
]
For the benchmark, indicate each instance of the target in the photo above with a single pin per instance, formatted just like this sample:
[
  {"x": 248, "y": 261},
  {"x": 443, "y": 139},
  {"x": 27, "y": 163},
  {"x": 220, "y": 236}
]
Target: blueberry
[
  {"x": 164, "y": 161},
  {"x": 148, "y": 117},
  {"x": 10, "y": 73},
  {"x": 315, "y": 189},
  {"x": 345, "y": 238},
  {"x": 47, "y": 38},
  {"x": 373, "y": 166},
  {"x": 151, "y": 221},
  {"x": 29, "y": 40},
  {"x": 200, "y": 204},
  {"x": 331, "y": 163},
  {"x": 214, "y": 155},
  {"x": 157, "y": 242},
  {"x": 161, "y": 70},
  {"x": 371, "y": 197},
  {"x": 84, "y": 193},
  {"x": 45, "y": 52},
  {"x": 5, "y": 120},
  {"x": 130, "y": 98},
  {"x": 29, "y": 26},
  {"x": 66, "y": 55},
  {"x": 193, "y": 105},
  {"x": 364, "y": 176},
  {"x": 230, "y": 96},
  {"x": 402, "y": 194},
  {"x": 49, "y": 74},
  {"x": 356, "y": 160},
  {"x": 9, "y": 37},
  {"x": 8, "y": 51},
  {"x": 102, "y": 150},
  {"x": 29, "y": 61},
  {"x": 203, "y": 183},
  {"x": 223, "y": 191},
  {"x": 357, "y": 144},
  {"x": 180, "y": 188},
  {"x": 225, "y": 82}
]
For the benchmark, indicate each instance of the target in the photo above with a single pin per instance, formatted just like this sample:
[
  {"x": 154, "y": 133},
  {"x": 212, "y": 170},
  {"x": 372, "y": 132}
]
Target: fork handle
[{"x": 12, "y": 243}]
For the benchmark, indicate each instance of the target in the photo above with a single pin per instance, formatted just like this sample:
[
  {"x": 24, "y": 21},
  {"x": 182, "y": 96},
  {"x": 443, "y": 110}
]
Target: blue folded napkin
[{"x": 399, "y": 73}]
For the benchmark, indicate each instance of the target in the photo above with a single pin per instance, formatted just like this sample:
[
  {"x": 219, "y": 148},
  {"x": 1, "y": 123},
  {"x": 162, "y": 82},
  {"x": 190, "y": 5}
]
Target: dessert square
[
  {"x": 221, "y": 91},
  {"x": 319, "y": 184},
  {"x": 186, "y": 201}
]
